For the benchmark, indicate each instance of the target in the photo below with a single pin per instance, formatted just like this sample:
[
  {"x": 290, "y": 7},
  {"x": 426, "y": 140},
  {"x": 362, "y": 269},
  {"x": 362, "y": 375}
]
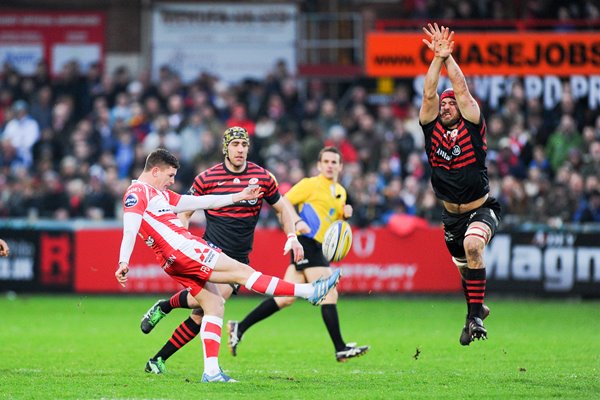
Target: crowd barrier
[{"x": 81, "y": 257}]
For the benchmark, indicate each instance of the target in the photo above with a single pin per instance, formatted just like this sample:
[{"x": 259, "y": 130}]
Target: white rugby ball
[{"x": 337, "y": 241}]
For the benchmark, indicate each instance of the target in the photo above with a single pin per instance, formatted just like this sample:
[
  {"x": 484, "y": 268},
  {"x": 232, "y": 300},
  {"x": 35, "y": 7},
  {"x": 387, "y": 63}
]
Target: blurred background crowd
[{"x": 70, "y": 144}]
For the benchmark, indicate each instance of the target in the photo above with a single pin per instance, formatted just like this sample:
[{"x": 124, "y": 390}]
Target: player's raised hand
[{"x": 440, "y": 40}]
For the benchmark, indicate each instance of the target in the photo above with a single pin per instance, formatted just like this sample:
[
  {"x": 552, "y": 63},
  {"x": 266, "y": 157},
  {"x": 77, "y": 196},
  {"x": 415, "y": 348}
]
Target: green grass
[{"x": 90, "y": 347}]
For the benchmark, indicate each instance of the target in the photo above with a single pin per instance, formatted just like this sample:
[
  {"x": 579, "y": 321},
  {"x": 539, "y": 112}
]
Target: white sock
[
  {"x": 304, "y": 290},
  {"x": 210, "y": 335}
]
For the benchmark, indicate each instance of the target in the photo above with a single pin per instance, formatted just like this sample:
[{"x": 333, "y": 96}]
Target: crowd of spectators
[{"x": 70, "y": 144}]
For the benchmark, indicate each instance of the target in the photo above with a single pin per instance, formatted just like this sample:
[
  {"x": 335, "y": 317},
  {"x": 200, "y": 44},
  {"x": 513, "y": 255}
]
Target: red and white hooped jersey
[{"x": 160, "y": 229}]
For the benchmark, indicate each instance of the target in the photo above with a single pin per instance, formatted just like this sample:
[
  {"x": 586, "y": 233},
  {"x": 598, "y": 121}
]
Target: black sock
[
  {"x": 265, "y": 309},
  {"x": 466, "y": 292},
  {"x": 475, "y": 282},
  {"x": 332, "y": 322},
  {"x": 183, "y": 334},
  {"x": 178, "y": 300}
]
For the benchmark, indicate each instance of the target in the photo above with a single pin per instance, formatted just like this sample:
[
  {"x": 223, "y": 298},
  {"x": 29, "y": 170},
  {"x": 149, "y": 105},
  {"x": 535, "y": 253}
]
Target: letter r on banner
[{"x": 55, "y": 262}]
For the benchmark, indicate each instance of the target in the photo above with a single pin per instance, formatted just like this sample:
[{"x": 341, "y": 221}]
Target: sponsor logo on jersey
[
  {"x": 210, "y": 257},
  {"x": 221, "y": 183},
  {"x": 131, "y": 200},
  {"x": 452, "y": 134},
  {"x": 150, "y": 241},
  {"x": 442, "y": 153},
  {"x": 236, "y": 180},
  {"x": 253, "y": 181},
  {"x": 456, "y": 150}
]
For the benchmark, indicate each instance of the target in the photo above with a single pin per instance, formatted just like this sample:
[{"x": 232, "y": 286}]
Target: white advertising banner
[
  {"x": 231, "y": 41},
  {"x": 24, "y": 57}
]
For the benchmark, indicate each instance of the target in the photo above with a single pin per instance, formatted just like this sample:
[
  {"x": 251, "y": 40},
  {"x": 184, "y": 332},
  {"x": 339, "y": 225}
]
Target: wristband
[{"x": 291, "y": 235}]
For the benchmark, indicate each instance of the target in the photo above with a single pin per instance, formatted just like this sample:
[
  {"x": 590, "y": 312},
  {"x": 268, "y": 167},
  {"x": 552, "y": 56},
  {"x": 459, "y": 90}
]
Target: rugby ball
[{"x": 337, "y": 241}]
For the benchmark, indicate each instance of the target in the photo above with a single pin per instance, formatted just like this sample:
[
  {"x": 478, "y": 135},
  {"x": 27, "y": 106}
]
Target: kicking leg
[{"x": 228, "y": 270}]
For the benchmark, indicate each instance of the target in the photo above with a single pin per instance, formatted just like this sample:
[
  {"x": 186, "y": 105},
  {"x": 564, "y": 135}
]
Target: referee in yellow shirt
[{"x": 320, "y": 200}]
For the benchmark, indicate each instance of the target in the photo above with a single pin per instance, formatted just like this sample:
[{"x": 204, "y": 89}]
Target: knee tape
[{"x": 479, "y": 232}]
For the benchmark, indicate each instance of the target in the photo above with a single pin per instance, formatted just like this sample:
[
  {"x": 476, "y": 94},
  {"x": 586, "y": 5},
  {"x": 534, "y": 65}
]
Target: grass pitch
[{"x": 90, "y": 347}]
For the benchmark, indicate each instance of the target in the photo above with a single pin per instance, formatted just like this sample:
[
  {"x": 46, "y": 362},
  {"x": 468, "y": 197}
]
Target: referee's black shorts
[{"x": 313, "y": 254}]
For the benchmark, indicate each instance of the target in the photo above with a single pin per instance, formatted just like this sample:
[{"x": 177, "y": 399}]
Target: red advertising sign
[
  {"x": 96, "y": 257},
  {"x": 379, "y": 262},
  {"x": 399, "y": 54},
  {"x": 26, "y": 37}
]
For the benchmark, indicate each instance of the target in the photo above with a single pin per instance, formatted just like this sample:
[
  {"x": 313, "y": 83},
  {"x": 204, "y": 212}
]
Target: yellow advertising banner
[{"x": 483, "y": 53}]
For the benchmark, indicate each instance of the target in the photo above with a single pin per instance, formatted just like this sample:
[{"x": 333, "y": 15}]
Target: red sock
[
  {"x": 267, "y": 284},
  {"x": 179, "y": 299}
]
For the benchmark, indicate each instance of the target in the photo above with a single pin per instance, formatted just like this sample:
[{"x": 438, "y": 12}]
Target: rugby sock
[
  {"x": 267, "y": 284},
  {"x": 475, "y": 283},
  {"x": 332, "y": 322},
  {"x": 465, "y": 291},
  {"x": 178, "y": 300},
  {"x": 262, "y": 311},
  {"x": 183, "y": 334},
  {"x": 210, "y": 334}
]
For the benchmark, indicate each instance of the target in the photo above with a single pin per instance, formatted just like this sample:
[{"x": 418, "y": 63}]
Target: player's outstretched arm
[
  {"x": 189, "y": 203},
  {"x": 439, "y": 41}
]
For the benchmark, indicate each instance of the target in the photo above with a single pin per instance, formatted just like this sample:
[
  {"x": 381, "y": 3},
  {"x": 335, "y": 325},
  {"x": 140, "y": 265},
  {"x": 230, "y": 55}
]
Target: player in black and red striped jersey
[
  {"x": 455, "y": 142},
  {"x": 230, "y": 228}
]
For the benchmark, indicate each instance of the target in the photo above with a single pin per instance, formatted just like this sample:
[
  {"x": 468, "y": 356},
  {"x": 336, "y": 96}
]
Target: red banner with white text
[
  {"x": 56, "y": 37},
  {"x": 380, "y": 262}
]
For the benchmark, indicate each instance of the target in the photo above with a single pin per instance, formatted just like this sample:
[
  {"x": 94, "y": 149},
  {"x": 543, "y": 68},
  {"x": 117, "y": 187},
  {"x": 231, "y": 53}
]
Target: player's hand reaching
[
  {"x": 440, "y": 40},
  {"x": 121, "y": 273},
  {"x": 250, "y": 192}
]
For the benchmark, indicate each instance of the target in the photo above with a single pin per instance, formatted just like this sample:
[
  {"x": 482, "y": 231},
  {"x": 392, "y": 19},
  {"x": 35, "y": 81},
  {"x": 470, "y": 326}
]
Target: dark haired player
[
  {"x": 230, "y": 228},
  {"x": 455, "y": 142}
]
